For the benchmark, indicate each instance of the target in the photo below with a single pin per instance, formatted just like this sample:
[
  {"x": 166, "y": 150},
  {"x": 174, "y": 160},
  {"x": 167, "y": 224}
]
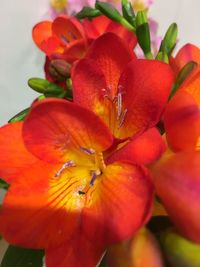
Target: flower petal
[
  {"x": 120, "y": 203},
  {"x": 44, "y": 38},
  {"x": 182, "y": 122},
  {"x": 187, "y": 53},
  {"x": 141, "y": 150},
  {"x": 96, "y": 27},
  {"x": 177, "y": 182},
  {"x": 144, "y": 95},
  {"x": 111, "y": 61},
  {"x": 14, "y": 157},
  {"x": 89, "y": 89},
  {"x": 43, "y": 210},
  {"x": 55, "y": 128},
  {"x": 192, "y": 84},
  {"x": 77, "y": 253},
  {"x": 67, "y": 29}
]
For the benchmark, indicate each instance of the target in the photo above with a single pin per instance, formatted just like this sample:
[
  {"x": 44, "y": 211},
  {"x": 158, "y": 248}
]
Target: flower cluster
[{"x": 109, "y": 150}]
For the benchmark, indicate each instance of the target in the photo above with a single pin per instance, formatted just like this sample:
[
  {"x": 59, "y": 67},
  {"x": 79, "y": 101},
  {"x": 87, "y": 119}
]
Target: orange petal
[
  {"x": 119, "y": 203},
  {"x": 192, "y": 84},
  {"x": 144, "y": 149},
  {"x": 187, "y": 53},
  {"x": 14, "y": 158},
  {"x": 144, "y": 95},
  {"x": 57, "y": 130},
  {"x": 111, "y": 61},
  {"x": 182, "y": 122},
  {"x": 76, "y": 50},
  {"x": 42, "y": 210},
  {"x": 177, "y": 182},
  {"x": 44, "y": 38}
]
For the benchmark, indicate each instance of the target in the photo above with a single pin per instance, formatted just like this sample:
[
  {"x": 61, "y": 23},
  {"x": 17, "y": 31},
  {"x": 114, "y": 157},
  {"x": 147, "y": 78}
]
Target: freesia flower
[
  {"x": 187, "y": 53},
  {"x": 176, "y": 175},
  {"x": 129, "y": 95},
  {"x": 140, "y": 251},
  {"x": 63, "y": 197}
]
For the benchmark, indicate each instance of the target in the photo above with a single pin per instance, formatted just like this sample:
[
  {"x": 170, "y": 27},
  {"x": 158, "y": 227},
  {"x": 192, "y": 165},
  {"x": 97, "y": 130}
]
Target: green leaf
[
  {"x": 88, "y": 12},
  {"x": 21, "y": 257},
  {"x": 3, "y": 185},
  {"x": 128, "y": 12},
  {"x": 183, "y": 74},
  {"x": 19, "y": 116}
]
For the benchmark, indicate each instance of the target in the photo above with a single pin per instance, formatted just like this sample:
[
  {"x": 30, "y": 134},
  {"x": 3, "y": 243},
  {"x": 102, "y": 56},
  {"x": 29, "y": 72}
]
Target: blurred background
[{"x": 20, "y": 59}]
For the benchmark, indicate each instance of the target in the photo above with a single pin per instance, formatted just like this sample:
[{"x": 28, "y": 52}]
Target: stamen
[
  {"x": 64, "y": 39},
  {"x": 66, "y": 165},
  {"x": 123, "y": 118},
  {"x": 72, "y": 35},
  {"x": 119, "y": 105},
  {"x": 93, "y": 178},
  {"x": 94, "y": 175},
  {"x": 88, "y": 151}
]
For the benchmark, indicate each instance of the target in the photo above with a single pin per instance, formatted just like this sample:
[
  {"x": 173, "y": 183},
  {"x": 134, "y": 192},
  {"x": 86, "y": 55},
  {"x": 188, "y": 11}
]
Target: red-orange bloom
[
  {"x": 129, "y": 95},
  {"x": 187, "y": 53},
  {"x": 177, "y": 174},
  {"x": 100, "y": 25},
  {"x": 63, "y": 196}
]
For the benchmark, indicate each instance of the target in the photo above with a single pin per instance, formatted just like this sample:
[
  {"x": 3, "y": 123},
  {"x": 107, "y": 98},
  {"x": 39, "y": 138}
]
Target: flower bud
[
  {"x": 169, "y": 41},
  {"x": 179, "y": 251},
  {"x": 45, "y": 87},
  {"x": 141, "y": 251},
  {"x": 59, "y": 69}
]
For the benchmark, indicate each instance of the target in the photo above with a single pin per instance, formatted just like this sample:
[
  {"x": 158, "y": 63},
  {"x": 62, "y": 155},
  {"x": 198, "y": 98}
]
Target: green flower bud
[
  {"x": 88, "y": 12},
  {"x": 169, "y": 41},
  {"x": 179, "y": 251}
]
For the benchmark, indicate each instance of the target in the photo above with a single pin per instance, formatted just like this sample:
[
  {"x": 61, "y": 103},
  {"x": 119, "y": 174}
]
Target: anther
[
  {"x": 88, "y": 151},
  {"x": 94, "y": 175},
  {"x": 123, "y": 118},
  {"x": 64, "y": 39},
  {"x": 66, "y": 165}
]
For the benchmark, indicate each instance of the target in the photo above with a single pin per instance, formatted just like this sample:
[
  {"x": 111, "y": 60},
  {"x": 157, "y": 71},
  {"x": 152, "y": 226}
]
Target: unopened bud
[
  {"x": 169, "y": 41},
  {"x": 179, "y": 251},
  {"x": 59, "y": 69},
  {"x": 45, "y": 87}
]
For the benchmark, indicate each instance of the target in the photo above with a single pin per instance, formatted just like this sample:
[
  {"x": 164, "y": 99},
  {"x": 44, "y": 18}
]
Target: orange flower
[
  {"x": 177, "y": 174},
  {"x": 63, "y": 197}
]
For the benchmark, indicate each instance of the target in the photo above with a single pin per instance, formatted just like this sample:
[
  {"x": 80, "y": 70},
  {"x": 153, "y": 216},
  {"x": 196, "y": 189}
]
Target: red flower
[
  {"x": 100, "y": 25},
  {"x": 129, "y": 95},
  {"x": 177, "y": 174},
  {"x": 187, "y": 53},
  {"x": 63, "y": 197}
]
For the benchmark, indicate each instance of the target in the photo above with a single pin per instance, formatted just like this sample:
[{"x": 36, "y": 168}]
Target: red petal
[
  {"x": 75, "y": 51},
  {"x": 177, "y": 181},
  {"x": 96, "y": 27},
  {"x": 68, "y": 29},
  {"x": 119, "y": 203},
  {"x": 142, "y": 150},
  {"x": 77, "y": 253},
  {"x": 182, "y": 122},
  {"x": 56, "y": 128},
  {"x": 127, "y": 36},
  {"x": 187, "y": 53},
  {"x": 89, "y": 89},
  {"x": 144, "y": 95},
  {"x": 44, "y": 39},
  {"x": 14, "y": 158},
  {"x": 111, "y": 61}
]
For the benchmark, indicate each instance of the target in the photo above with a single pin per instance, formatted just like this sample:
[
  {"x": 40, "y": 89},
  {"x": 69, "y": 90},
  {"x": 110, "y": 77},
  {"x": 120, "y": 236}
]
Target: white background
[{"x": 20, "y": 59}]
